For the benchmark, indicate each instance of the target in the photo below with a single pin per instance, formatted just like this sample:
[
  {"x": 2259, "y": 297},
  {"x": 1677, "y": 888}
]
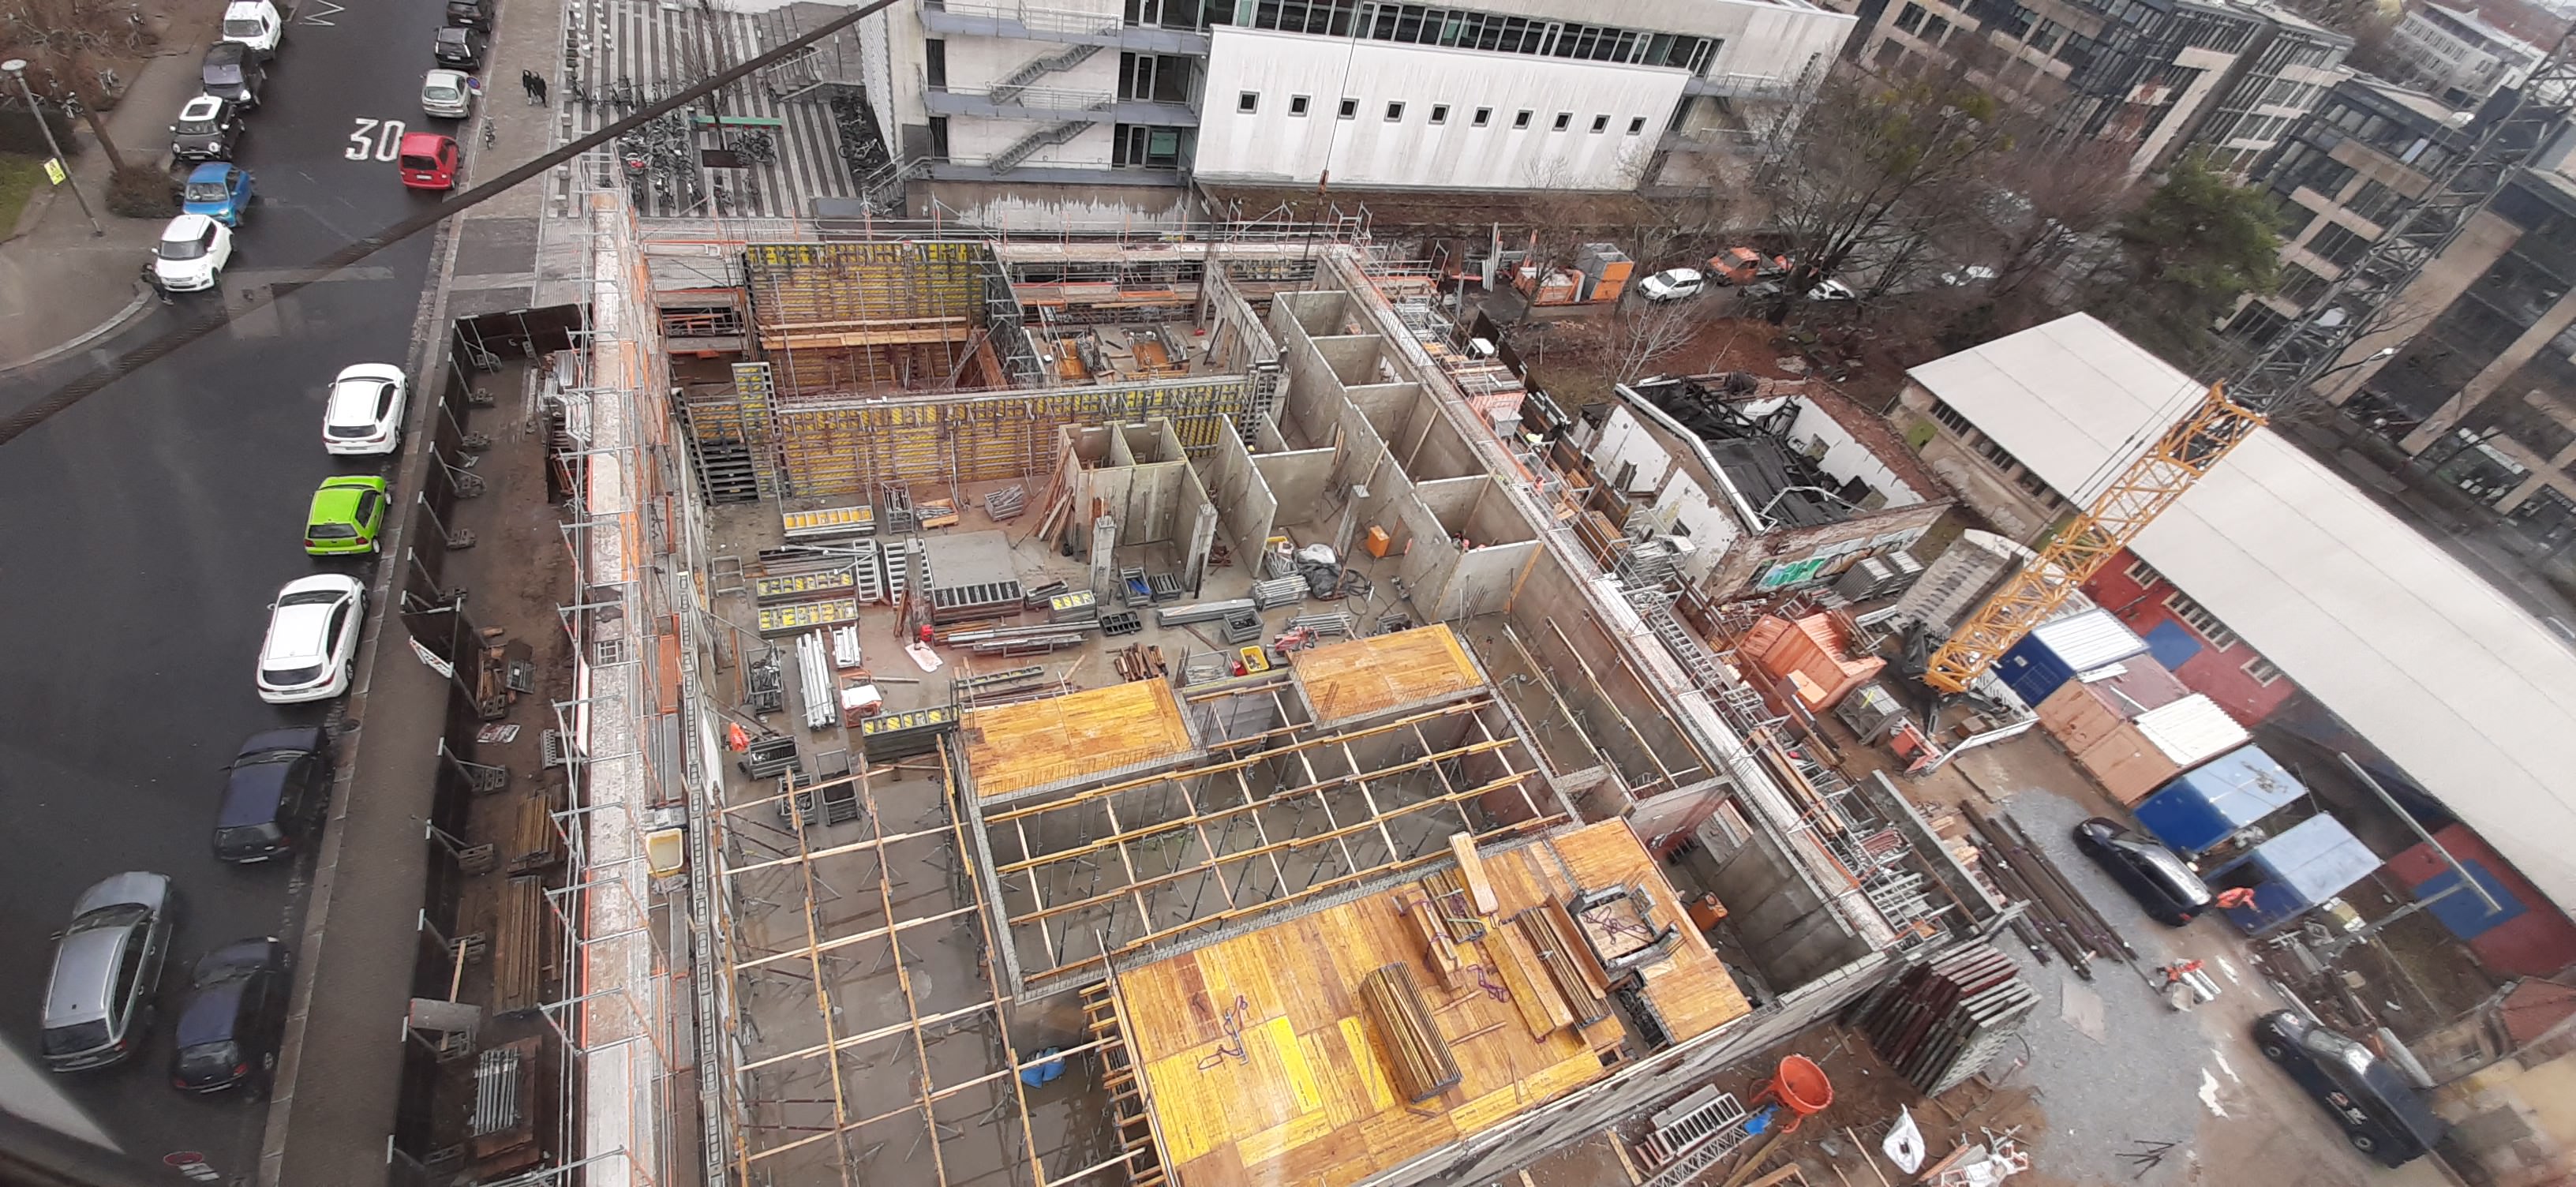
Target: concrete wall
[
  {"x": 2513, "y": 1123},
  {"x": 1243, "y": 500},
  {"x": 1302, "y": 482},
  {"x": 1775, "y": 911},
  {"x": 1847, "y": 457}
]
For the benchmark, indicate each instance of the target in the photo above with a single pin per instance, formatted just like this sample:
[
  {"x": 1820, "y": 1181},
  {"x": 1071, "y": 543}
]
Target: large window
[
  {"x": 2375, "y": 202},
  {"x": 1910, "y": 18},
  {"x": 1417, "y": 24},
  {"x": 2338, "y": 244},
  {"x": 1135, "y": 146},
  {"x": 1950, "y": 417}
]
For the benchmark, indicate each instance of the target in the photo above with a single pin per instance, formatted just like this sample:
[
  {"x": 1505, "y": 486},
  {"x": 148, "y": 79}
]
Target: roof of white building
[{"x": 2473, "y": 697}]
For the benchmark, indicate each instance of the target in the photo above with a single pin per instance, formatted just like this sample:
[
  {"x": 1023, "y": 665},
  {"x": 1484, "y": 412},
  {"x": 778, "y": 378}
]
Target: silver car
[
  {"x": 98, "y": 1002},
  {"x": 448, "y": 94}
]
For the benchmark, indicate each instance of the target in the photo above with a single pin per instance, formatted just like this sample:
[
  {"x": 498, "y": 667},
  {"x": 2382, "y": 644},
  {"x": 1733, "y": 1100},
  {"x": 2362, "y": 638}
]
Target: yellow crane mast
[{"x": 2142, "y": 491}]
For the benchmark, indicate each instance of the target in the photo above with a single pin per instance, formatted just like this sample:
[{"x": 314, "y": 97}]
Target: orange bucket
[{"x": 1801, "y": 1086}]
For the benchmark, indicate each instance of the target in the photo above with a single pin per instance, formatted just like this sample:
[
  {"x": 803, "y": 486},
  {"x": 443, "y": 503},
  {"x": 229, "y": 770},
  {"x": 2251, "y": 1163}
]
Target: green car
[{"x": 347, "y": 513}]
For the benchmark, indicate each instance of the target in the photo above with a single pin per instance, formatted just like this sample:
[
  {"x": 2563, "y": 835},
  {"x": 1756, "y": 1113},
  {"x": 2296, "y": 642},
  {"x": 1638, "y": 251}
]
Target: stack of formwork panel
[{"x": 1940, "y": 1021}]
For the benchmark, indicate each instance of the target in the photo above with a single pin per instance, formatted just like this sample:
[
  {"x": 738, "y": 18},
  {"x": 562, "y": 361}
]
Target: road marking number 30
[{"x": 379, "y": 140}]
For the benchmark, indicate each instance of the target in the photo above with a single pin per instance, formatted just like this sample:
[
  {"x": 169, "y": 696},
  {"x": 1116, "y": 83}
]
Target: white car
[
  {"x": 1672, "y": 284},
  {"x": 256, "y": 24},
  {"x": 191, "y": 254},
  {"x": 312, "y": 641},
  {"x": 447, "y": 94},
  {"x": 365, "y": 412},
  {"x": 1832, "y": 290},
  {"x": 1963, "y": 277}
]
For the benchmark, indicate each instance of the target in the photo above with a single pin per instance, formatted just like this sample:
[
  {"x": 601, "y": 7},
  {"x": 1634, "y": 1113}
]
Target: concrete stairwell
[{"x": 1036, "y": 68}]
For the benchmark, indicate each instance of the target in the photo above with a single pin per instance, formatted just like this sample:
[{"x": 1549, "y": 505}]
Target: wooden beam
[{"x": 1472, "y": 868}]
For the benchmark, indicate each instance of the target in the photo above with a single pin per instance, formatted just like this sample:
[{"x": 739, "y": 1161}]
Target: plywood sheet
[
  {"x": 1364, "y": 676},
  {"x": 1312, "y": 1097},
  {"x": 1033, "y": 743}
]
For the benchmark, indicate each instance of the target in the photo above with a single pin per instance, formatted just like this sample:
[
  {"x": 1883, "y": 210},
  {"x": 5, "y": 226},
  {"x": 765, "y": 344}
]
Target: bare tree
[
  {"x": 1643, "y": 333},
  {"x": 1877, "y": 163},
  {"x": 68, "y": 44}
]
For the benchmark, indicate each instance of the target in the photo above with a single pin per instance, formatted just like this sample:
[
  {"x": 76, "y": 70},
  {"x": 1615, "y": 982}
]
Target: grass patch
[{"x": 20, "y": 178}]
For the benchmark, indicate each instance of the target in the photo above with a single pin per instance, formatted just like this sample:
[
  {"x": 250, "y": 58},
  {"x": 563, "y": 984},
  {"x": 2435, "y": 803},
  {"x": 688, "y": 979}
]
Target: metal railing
[{"x": 1034, "y": 18}]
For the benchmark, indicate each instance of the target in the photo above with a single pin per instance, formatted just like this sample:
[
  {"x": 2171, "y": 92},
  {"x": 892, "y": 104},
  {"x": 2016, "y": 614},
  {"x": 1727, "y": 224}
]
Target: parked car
[
  {"x": 1743, "y": 265},
  {"x": 255, "y": 25},
  {"x": 191, "y": 254},
  {"x": 475, "y": 13},
  {"x": 1968, "y": 275},
  {"x": 219, "y": 190},
  {"x": 427, "y": 161},
  {"x": 1672, "y": 284},
  {"x": 1824, "y": 290},
  {"x": 229, "y": 1028},
  {"x": 348, "y": 512},
  {"x": 312, "y": 641},
  {"x": 2166, "y": 887},
  {"x": 275, "y": 792},
  {"x": 2381, "y": 1114},
  {"x": 107, "y": 964},
  {"x": 365, "y": 412},
  {"x": 231, "y": 72},
  {"x": 447, "y": 94},
  {"x": 456, "y": 45},
  {"x": 208, "y": 129}
]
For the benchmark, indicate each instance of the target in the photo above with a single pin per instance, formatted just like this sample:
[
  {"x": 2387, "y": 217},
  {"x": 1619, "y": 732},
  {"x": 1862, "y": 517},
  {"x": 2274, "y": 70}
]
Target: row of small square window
[{"x": 1249, "y": 103}]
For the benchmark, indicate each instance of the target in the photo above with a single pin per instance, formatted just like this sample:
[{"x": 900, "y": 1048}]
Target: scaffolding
[{"x": 619, "y": 1018}]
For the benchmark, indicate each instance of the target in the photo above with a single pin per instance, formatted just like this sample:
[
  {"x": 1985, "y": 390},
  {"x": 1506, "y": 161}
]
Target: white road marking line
[{"x": 2209, "y": 1094}]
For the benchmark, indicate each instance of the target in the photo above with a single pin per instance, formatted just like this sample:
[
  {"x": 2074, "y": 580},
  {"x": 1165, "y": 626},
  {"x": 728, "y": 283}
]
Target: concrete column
[
  {"x": 2540, "y": 477},
  {"x": 2488, "y": 378},
  {"x": 1104, "y": 559}
]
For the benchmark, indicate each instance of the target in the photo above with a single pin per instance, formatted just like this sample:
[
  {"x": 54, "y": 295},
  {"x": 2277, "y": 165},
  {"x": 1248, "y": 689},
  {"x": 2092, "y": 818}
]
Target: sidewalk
[{"x": 60, "y": 285}]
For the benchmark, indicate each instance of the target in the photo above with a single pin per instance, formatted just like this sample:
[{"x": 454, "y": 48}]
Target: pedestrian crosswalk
[{"x": 623, "y": 54}]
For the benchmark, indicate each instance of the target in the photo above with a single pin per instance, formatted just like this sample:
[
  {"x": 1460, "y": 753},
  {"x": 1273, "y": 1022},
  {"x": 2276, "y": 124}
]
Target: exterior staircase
[
  {"x": 1036, "y": 68},
  {"x": 1027, "y": 146}
]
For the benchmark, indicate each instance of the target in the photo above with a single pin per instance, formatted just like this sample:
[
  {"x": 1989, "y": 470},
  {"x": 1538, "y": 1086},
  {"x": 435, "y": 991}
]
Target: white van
[{"x": 256, "y": 24}]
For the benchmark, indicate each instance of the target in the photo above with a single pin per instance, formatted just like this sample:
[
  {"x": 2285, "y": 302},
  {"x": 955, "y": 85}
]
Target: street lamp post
[{"x": 17, "y": 68}]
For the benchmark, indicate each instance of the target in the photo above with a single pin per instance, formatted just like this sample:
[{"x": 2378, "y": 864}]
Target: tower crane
[{"x": 2505, "y": 136}]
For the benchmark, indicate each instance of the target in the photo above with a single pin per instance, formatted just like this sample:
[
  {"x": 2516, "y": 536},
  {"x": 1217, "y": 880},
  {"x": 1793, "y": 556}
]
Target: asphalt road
[{"x": 143, "y": 532}]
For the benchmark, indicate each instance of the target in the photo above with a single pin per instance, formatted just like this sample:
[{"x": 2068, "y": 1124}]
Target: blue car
[{"x": 220, "y": 190}]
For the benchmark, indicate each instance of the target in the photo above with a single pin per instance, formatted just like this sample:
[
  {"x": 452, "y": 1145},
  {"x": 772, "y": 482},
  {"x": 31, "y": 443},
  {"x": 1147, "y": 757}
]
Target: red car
[{"x": 427, "y": 161}]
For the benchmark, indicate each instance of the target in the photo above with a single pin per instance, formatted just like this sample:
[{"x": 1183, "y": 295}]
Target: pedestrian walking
[
  {"x": 540, "y": 80},
  {"x": 528, "y": 83}
]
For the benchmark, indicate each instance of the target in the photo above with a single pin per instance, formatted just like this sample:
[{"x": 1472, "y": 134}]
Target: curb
[{"x": 142, "y": 297}]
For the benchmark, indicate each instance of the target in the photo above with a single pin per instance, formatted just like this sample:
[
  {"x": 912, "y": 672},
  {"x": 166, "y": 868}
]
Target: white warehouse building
[{"x": 996, "y": 107}]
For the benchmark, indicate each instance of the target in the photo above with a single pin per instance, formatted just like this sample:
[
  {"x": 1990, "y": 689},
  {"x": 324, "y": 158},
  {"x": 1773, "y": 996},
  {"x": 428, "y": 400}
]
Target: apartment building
[
  {"x": 2234, "y": 76},
  {"x": 2455, "y": 54},
  {"x": 979, "y": 99},
  {"x": 2337, "y": 179},
  {"x": 2480, "y": 389}
]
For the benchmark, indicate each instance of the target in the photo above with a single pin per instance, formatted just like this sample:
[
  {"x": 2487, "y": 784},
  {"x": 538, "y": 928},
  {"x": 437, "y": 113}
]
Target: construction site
[{"x": 1106, "y": 710}]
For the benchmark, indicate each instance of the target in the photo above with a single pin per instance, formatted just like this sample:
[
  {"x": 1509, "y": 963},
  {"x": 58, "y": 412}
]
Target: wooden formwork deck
[
  {"x": 1014, "y": 747},
  {"x": 1261, "y": 1067},
  {"x": 1364, "y": 676}
]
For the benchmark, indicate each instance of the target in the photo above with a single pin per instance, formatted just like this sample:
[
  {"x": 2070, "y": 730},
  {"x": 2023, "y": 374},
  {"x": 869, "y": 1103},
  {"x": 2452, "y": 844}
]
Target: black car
[
  {"x": 458, "y": 46},
  {"x": 476, "y": 13},
  {"x": 2170, "y": 892},
  {"x": 207, "y": 130},
  {"x": 2380, "y": 1112},
  {"x": 229, "y": 1028},
  {"x": 275, "y": 792},
  {"x": 231, "y": 72}
]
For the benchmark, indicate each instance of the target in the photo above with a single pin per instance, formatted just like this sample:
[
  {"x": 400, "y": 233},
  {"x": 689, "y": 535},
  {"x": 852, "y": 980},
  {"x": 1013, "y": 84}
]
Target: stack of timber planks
[
  {"x": 1424, "y": 1067},
  {"x": 1940, "y": 1021}
]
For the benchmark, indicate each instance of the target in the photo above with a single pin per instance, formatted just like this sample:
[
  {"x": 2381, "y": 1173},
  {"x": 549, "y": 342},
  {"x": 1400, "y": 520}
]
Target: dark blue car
[{"x": 220, "y": 190}]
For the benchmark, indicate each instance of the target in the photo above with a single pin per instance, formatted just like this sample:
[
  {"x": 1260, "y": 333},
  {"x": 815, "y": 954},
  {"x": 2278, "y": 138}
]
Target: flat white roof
[{"x": 2472, "y": 696}]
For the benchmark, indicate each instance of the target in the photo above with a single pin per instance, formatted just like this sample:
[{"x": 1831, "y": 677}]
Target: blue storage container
[
  {"x": 2312, "y": 862},
  {"x": 2199, "y": 808},
  {"x": 2056, "y": 650}
]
